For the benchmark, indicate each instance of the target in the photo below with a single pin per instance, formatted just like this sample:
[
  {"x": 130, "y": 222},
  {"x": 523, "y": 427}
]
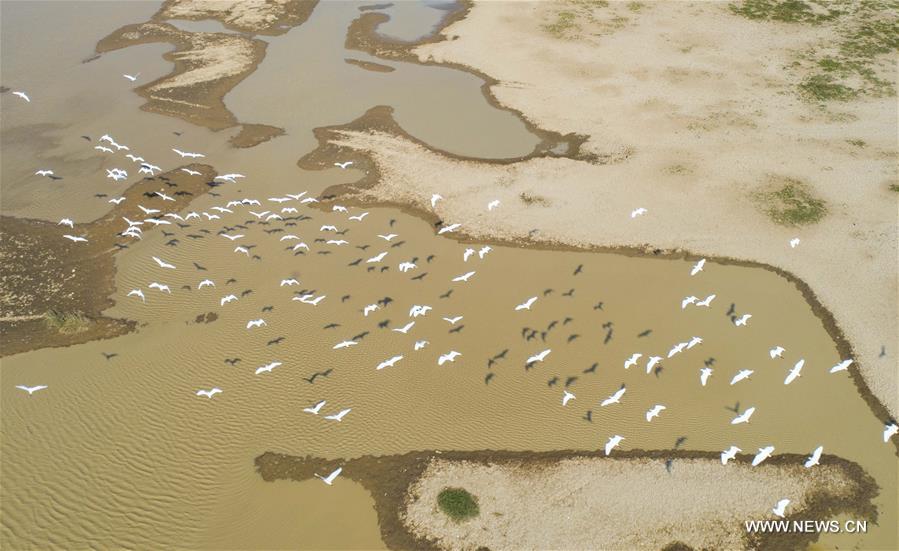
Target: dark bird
[
  {"x": 383, "y": 324},
  {"x": 592, "y": 368},
  {"x": 167, "y": 234},
  {"x": 547, "y": 291},
  {"x": 275, "y": 341},
  {"x": 490, "y": 363},
  {"x": 456, "y": 329},
  {"x": 668, "y": 464},
  {"x": 572, "y": 337},
  {"x": 566, "y": 321},
  {"x": 172, "y": 242},
  {"x": 268, "y": 308},
  {"x": 732, "y": 310},
  {"x": 430, "y": 258},
  {"x": 232, "y": 361},
  {"x": 360, "y": 336},
  {"x": 644, "y": 333},
  {"x": 392, "y": 222},
  {"x": 447, "y": 294},
  {"x": 109, "y": 356},
  {"x": 552, "y": 324},
  {"x": 331, "y": 326},
  {"x": 589, "y": 415},
  {"x": 362, "y": 247},
  {"x": 543, "y": 336},
  {"x": 246, "y": 292},
  {"x": 355, "y": 262},
  {"x": 598, "y": 306},
  {"x": 384, "y": 268},
  {"x": 186, "y": 287},
  {"x": 679, "y": 442},
  {"x": 419, "y": 277},
  {"x": 344, "y": 298},
  {"x": 607, "y": 325},
  {"x": 568, "y": 293},
  {"x": 489, "y": 377},
  {"x": 501, "y": 355},
  {"x": 324, "y": 252},
  {"x": 397, "y": 244},
  {"x": 608, "y": 337},
  {"x": 579, "y": 269},
  {"x": 570, "y": 381},
  {"x": 370, "y": 269},
  {"x": 735, "y": 409},
  {"x": 201, "y": 268},
  {"x": 883, "y": 351},
  {"x": 552, "y": 381},
  {"x": 194, "y": 236},
  {"x": 232, "y": 280},
  {"x": 658, "y": 370},
  {"x": 710, "y": 362},
  {"x": 88, "y": 138}
]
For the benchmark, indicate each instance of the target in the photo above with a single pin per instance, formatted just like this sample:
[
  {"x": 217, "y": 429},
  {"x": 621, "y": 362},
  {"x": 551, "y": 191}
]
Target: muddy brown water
[{"x": 122, "y": 452}]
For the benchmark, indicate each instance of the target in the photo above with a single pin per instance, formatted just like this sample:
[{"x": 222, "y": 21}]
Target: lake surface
[{"x": 122, "y": 452}]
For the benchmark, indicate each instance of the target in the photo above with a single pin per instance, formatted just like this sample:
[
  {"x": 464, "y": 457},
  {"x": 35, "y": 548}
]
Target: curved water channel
[{"x": 122, "y": 453}]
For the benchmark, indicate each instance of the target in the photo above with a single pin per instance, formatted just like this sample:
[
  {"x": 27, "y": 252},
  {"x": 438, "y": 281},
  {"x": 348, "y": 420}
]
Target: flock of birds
[{"x": 277, "y": 215}]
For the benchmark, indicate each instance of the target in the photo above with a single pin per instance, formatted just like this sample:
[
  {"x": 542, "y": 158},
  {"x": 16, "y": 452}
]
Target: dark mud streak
[
  {"x": 388, "y": 479},
  {"x": 369, "y": 65},
  {"x": 40, "y": 263},
  {"x": 362, "y": 36}
]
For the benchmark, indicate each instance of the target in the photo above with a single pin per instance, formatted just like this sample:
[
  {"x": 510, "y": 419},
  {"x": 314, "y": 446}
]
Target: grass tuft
[
  {"x": 792, "y": 204},
  {"x": 66, "y": 323},
  {"x": 458, "y": 504}
]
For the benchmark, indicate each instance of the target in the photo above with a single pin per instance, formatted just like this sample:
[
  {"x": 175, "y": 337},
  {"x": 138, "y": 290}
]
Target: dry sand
[
  {"x": 691, "y": 111},
  {"x": 251, "y": 16}
]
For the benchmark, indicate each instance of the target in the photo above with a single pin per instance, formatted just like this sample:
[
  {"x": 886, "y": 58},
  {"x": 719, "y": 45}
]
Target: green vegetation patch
[
  {"x": 894, "y": 187},
  {"x": 786, "y": 11},
  {"x": 792, "y": 204},
  {"x": 458, "y": 504},
  {"x": 824, "y": 87},
  {"x": 565, "y": 24},
  {"x": 66, "y": 322}
]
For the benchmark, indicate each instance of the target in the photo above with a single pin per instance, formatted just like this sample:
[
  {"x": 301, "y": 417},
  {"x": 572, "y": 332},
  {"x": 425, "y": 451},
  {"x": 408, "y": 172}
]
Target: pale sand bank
[{"x": 694, "y": 111}]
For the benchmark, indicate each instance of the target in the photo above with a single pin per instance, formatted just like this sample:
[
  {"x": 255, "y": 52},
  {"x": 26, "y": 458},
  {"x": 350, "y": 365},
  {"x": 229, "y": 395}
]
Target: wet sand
[{"x": 658, "y": 145}]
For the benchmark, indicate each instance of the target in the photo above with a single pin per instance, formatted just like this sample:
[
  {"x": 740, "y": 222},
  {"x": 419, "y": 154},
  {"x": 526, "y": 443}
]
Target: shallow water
[{"x": 122, "y": 453}]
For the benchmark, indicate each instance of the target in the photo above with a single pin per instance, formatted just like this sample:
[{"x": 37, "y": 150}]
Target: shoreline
[
  {"x": 379, "y": 119},
  {"x": 73, "y": 278},
  {"x": 389, "y": 480}
]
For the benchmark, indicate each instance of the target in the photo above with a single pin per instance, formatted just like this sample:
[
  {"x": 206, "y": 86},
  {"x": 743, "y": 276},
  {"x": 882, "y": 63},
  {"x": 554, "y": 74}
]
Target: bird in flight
[
  {"x": 614, "y": 398},
  {"x": 137, "y": 293},
  {"x": 75, "y": 238},
  {"x": 339, "y": 415},
  {"x": 889, "y": 431},
  {"x": 22, "y": 95},
  {"x": 704, "y": 375},
  {"x": 763, "y": 454},
  {"x": 315, "y": 409},
  {"x": 163, "y": 264},
  {"x": 209, "y": 393},
  {"x": 390, "y": 362},
  {"x": 267, "y": 368},
  {"x": 539, "y": 357},
  {"x": 66, "y": 222},
  {"x": 842, "y": 366},
  {"x": 697, "y": 267},
  {"x": 492, "y": 204},
  {"x": 743, "y": 417},
  {"x": 526, "y": 305},
  {"x": 448, "y": 357},
  {"x": 31, "y": 389},
  {"x": 632, "y": 360},
  {"x": 452, "y": 321},
  {"x": 814, "y": 458},
  {"x": 612, "y": 443},
  {"x": 449, "y": 229},
  {"x": 464, "y": 277},
  {"x": 344, "y": 164},
  {"x": 404, "y": 329},
  {"x": 330, "y": 478},
  {"x": 638, "y": 212},
  {"x": 654, "y": 412},
  {"x": 729, "y": 454},
  {"x": 794, "y": 373},
  {"x": 794, "y": 242},
  {"x": 256, "y": 323},
  {"x": 707, "y": 301},
  {"x": 742, "y": 374},
  {"x": 742, "y": 320},
  {"x": 567, "y": 397},
  {"x": 780, "y": 508},
  {"x": 343, "y": 344},
  {"x": 184, "y": 154},
  {"x": 776, "y": 352},
  {"x": 132, "y": 78}
]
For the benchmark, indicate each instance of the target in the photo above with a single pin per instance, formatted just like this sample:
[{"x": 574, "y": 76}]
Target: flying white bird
[
  {"x": 161, "y": 287},
  {"x": 729, "y": 454},
  {"x": 22, "y": 95},
  {"x": 764, "y": 453},
  {"x": 191, "y": 172},
  {"x": 387, "y": 237},
  {"x": 654, "y": 412},
  {"x": 359, "y": 217},
  {"x": 567, "y": 397},
  {"x": 780, "y": 508},
  {"x": 187, "y": 154},
  {"x": 289, "y": 237},
  {"x": 235, "y": 237},
  {"x": 742, "y": 374},
  {"x": 448, "y": 357},
  {"x": 225, "y": 300},
  {"x": 256, "y": 323},
  {"x": 677, "y": 349},
  {"x": 526, "y": 305},
  {"x": 240, "y": 249},
  {"x": 653, "y": 360},
  {"x": 704, "y": 375},
  {"x": 390, "y": 362},
  {"x": 482, "y": 252},
  {"x": 289, "y": 282},
  {"x": 209, "y": 393},
  {"x": 452, "y": 321},
  {"x": 697, "y": 267},
  {"x": 614, "y": 398},
  {"x": 339, "y": 415},
  {"x": 889, "y": 431},
  {"x": 464, "y": 277},
  {"x": 743, "y": 417},
  {"x": 612, "y": 443},
  {"x": 688, "y": 300},
  {"x": 814, "y": 458},
  {"x": 539, "y": 357},
  {"x": 163, "y": 264},
  {"x": 267, "y": 368},
  {"x": 315, "y": 409},
  {"x": 492, "y": 204},
  {"x": 137, "y": 293},
  {"x": 468, "y": 252},
  {"x": 632, "y": 360},
  {"x": 449, "y": 229},
  {"x": 420, "y": 344},
  {"x": 44, "y": 172},
  {"x": 338, "y": 208},
  {"x": 742, "y": 320},
  {"x": 707, "y": 301},
  {"x": 31, "y": 389},
  {"x": 116, "y": 200},
  {"x": 343, "y": 344},
  {"x": 369, "y": 309},
  {"x": 418, "y": 310},
  {"x": 344, "y": 165},
  {"x": 404, "y": 329},
  {"x": 330, "y": 478},
  {"x": 434, "y": 198},
  {"x": 406, "y": 266},
  {"x": 693, "y": 342},
  {"x": 328, "y": 227},
  {"x": 102, "y": 148},
  {"x": 66, "y": 222},
  {"x": 376, "y": 258},
  {"x": 75, "y": 238},
  {"x": 132, "y": 78},
  {"x": 206, "y": 283},
  {"x": 795, "y": 372},
  {"x": 337, "y": 242},
  {"x": 842, "y": 366},
  {"x": 300, "y": 246},
  {"x": 638, "y": 212},
  {"x": 776, "y": 352},
  {"x": 794, "y": 242}
]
